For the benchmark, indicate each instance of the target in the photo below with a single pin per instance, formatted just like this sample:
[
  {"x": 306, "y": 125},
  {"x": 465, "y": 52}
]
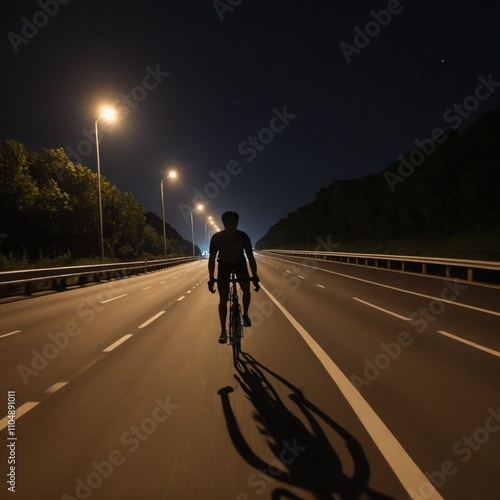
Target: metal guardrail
[
  {"x": 468, "y": 270},
  {"x": 30, "y": 281}
]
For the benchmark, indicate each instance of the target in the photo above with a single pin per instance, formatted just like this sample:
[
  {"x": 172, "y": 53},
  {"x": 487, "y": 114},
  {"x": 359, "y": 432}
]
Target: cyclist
[{"x": 230, "y": 246}]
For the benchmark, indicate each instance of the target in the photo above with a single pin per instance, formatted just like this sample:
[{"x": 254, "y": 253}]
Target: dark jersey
[{"x": 230, "y": 248}]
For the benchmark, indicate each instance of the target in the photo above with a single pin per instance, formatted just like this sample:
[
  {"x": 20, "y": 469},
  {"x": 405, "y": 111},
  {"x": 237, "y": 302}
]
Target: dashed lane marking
[
  {"x": 150, "y": 320},
  {"x": 10, "y": 333},
  {"x": 114, "y": 298},
  {"x": 396, "y": 315},
  {"x": 472, "y": 344},
  {"x": 55, "y": 387},
  {"x": 24, "y": 408},
  {"x": 114, "y": 345}
]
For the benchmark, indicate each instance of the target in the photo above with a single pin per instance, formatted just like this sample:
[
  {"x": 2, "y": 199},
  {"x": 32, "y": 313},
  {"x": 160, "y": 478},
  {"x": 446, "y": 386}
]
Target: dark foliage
[
  {"x": 453, "y": 192},
  {"x": 49, "y": 207}
]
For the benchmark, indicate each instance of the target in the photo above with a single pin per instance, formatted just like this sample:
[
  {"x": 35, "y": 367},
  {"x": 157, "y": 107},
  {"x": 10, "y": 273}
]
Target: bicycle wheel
[{"x": 236, "y": 328}]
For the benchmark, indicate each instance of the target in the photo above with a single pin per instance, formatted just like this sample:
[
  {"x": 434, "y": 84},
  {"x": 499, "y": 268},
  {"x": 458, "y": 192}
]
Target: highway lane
[
  {"x": 431, "y": 395},
  {"x": 435, "y": 392},
  {"x": 57, "y": 334},
  {"x": 219, "y": 426}
]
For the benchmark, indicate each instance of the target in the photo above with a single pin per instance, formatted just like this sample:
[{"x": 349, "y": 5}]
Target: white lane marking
[
  {"x": 25, "y": 408},
  {"x": 164, "y": 281},
  {"x": 189, "y": 291},
  {"x": 10, "y": 333},
  {"x": 150, "y": 320},
  {"x": 181, "y": 298},
  {"x": 453, "y": 302},
  {"x": 396, "y": 315},
  {"x": 321, "y": 286},
  {"x": 407, "y": 471},
  {"x": 147, "y": 288},
  {"x": 55, "y": 387},
  {"x": 117, "y": 343},
  {"x": 114, "y": 298},
  {"x": 301, "y": 277},
  {"x": 472, "y": 344}
]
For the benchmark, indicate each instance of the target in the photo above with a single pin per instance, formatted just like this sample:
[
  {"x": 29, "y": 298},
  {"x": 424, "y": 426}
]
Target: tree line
[
  {"x": 427, "y": 196},
  {"x": 49, "y": 207}
]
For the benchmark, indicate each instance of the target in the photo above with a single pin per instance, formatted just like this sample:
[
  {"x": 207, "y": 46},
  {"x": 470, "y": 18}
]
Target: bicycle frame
[{"x": 235, "y": 331}]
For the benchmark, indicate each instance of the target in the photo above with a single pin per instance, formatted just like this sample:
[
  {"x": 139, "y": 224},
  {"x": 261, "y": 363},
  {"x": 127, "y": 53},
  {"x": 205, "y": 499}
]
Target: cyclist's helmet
[{"x": 230, "y": 218}]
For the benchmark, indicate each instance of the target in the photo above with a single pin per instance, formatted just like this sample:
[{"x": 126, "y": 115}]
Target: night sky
[{"x": 283, "y": 96}]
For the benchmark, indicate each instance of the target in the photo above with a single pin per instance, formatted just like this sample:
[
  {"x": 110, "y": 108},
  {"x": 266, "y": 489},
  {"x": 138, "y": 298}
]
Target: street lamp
[
  {"x": 108, "y": 114},
  {"x": 172, "y": 174},
  {"x": 211, "y": 221},
  {"x": 198, "y": 207}
]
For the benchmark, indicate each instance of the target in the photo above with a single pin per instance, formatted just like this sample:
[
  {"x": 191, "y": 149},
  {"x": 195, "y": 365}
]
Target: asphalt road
[{"x": 354, "y": 383}]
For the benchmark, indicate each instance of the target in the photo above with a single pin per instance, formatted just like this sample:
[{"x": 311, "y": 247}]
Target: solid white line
[
  {"x": 150, "y": 320},
  {"x": 117, "y": 343},
  {"x": 8, "y": 334},
  {"x": 396, "y": 315},
  {"x": 472, "y": 344},
  {"x": 407, "y": 471},
  {"x": 114, "y": 298},
  {"x": 25, "y": 408},
  {"x": 55, "y": 387}
]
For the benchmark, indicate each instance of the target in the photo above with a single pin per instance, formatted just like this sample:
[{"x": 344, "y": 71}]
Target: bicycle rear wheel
[{"x": 236, "y": 328}]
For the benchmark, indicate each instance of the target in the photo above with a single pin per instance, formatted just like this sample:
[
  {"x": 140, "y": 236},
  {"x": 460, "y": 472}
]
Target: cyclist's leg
[
  {"x": 223, "y": 298},
  {"x": 223, "y": 274},
  {"x": 242, "y": 272}
]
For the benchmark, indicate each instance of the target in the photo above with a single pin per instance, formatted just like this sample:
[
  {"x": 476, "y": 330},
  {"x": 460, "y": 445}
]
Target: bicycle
[{"x": 235, "y": 330}]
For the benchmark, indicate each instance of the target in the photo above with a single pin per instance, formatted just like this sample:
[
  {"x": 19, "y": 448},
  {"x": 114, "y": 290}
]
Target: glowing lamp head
[{"x": 108, "y": 113}]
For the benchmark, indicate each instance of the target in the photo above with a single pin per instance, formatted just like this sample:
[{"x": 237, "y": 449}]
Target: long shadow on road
[{"x": 304, "y": 457}]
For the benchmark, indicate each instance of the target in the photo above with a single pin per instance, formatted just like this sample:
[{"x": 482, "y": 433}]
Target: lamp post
[
  {"x": 109, "y": 114},
  {"x": 172, "y": 174},
  {"x": 209, "y": 220},
  {"x": 199, "y": 207}
]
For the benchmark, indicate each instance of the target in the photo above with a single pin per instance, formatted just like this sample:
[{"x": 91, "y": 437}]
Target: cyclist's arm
[
  {"x": 251, "y": 259},
  {"x": 211, "y": 266},
  {"x": 253, "y": 264}
]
